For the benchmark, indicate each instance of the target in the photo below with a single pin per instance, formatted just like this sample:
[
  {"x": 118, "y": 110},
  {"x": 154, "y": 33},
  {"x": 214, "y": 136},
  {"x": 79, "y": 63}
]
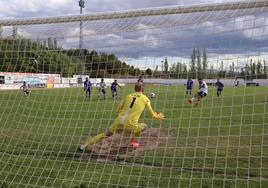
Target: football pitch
[{"x": 223, "y": 143}]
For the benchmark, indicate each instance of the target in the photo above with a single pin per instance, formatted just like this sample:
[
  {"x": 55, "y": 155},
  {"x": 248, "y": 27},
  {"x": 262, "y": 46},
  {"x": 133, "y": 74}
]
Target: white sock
[{"x": 193, "y": 99}]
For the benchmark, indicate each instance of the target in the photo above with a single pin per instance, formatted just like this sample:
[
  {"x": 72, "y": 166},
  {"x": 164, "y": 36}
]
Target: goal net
[{"x": 215, "y": 138}]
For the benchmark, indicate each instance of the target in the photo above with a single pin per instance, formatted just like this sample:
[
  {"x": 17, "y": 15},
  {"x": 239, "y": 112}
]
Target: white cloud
[
  {"x": 35, "y": 8},
  {"x": 113, "y": 36},
  {"x": 5, "y": 10},
  {"x": 134, "y": 38},
  {"x": 141, "y": 26},
  {"x": 76, "y": 32},
  {"x": 115, "y": 5}
]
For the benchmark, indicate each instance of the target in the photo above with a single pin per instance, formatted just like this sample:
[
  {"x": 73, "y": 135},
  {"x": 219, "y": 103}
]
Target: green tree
[
  {"x": 211, "y": 72},
  {"x": 221, "y": 73},
  {"x": 137, "y": 72},
  {"x": 184, "y": 71},
  {"x": 39, "y": 58},
  {"x": 193, "y": 64},
  {"x": 166, "y": 66},
  {"x": 173, "y": 71},
  {"x": 131, "y": 70},
  {"x": 35, "y": 58},
  {"x": 124, "y": 69},
  {"x": 199, "y": 65},
  {"x": 204, "y": 62},
  {"x": 253, "y": 68},
  {"x": 148, "y": 72},
  {"x": 184, "y": 68},
  {"x": 264, "y": 68},
  {"x": 259, "y": 68},
  {"x": 247, "y": 70},
  {"x": 155, "y": 72},
  {"x": 231, "y": 69},
  {"x": 179, "y": 68},
  {"x": 242, "y": 72}
]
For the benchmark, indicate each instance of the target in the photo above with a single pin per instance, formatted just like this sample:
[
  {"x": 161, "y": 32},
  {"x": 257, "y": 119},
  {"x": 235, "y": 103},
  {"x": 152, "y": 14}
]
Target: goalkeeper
[{"x": 129, "y": 112}]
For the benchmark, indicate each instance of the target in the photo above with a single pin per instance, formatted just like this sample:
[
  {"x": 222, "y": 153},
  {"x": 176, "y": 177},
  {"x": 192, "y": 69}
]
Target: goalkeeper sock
[
  {"x": 96, "y": 139},
  {"x": 134, "y": 143}
]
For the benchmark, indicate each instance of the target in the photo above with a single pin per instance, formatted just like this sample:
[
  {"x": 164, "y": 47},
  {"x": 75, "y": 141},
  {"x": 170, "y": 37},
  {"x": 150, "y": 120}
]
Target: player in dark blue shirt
[
  {"x": 219, "y": 85},
  {"x": 140, "y": 79},
  {"x": 114, "y": 88},
  {"x": 189, "y": 86},
  {"x": 87, "y": 87}
]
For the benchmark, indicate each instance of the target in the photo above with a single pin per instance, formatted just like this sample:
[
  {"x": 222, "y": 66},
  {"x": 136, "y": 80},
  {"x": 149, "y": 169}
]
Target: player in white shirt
[
  {"x": 236, "y": 83},
  {"x": 25, "y": 89},
  {"x": 102, "y": 86},
  {"x": 202, "y": 92}
]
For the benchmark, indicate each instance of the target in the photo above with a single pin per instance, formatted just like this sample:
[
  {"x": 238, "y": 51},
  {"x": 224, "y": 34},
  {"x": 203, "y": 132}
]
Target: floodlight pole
[{"x": 81, "y": 4}]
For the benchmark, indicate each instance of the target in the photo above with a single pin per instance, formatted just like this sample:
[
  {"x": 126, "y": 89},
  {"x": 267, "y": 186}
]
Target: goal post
[{"x": 142, "y": 13}]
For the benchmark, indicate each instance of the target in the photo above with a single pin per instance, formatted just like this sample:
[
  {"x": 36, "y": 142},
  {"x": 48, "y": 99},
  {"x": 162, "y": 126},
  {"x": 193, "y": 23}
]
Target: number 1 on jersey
[{"x": 132, "y": 103}]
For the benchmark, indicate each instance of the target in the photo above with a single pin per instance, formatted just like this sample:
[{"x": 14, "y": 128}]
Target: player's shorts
[
  {"x": 132, "y": 129},
  {"x": 88, "y": 90},
  {"x": 219, "y": 89},
  {"x": 114, "y": 91},
  {"x": 102, "y": 91},
  {"x": 201, "y": 94}
]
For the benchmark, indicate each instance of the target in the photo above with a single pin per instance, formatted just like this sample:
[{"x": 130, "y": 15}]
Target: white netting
[{"x": 221, "y": 143}]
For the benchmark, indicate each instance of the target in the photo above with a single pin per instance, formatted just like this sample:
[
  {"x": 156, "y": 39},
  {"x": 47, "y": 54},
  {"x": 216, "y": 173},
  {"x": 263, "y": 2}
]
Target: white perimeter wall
[
  {"x": 181, "y": 82},
  {"x": 178, "y": 82}
]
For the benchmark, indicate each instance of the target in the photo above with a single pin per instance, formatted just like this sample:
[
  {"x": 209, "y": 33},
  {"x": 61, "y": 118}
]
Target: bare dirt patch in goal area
[{"x": 117, "y": 146}]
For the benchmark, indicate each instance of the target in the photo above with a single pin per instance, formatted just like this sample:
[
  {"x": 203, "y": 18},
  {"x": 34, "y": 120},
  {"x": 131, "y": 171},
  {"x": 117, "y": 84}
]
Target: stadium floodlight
[{"x": 81, "y": 5}]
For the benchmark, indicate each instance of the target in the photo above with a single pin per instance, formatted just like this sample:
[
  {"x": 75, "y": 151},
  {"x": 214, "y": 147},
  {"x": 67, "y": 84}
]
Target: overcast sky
[
  {"x": 41, "y": 8},
  {"x": 224, "y": 38}
]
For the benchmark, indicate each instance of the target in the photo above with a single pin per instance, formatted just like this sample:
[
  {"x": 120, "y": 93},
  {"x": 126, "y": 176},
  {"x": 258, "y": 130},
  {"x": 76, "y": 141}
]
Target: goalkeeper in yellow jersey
[{"x": 129, "y": 112}]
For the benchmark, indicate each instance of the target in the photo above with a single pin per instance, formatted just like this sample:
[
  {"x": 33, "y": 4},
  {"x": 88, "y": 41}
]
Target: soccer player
[
  {"x": 102, "y": 86},
  {"x": 114, "y": 88},
  {"x": 140, "y": 79},
  {"x": 219, "y": 86},
  {"x": 25, "y": 89},
  {"x": 87, "y": 87},
  {"x": 129, "y": 112},
  {"x": 189, "y": 86},
  {"x": 236, "y": 83},
  {"x": 202, "y": 92}
]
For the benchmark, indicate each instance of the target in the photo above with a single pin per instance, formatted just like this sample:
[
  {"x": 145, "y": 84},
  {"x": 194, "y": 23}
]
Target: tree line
[
  {"x": 199, "y": 66},
  {"x": 18, "y": 54},
  {"x": 24, "y": 55},
  {"x": 100, "y": 64}
]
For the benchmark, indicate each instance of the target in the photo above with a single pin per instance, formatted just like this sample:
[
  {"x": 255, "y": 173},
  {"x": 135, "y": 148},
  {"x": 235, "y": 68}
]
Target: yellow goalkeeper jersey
[{"x": 132, "y": 107}]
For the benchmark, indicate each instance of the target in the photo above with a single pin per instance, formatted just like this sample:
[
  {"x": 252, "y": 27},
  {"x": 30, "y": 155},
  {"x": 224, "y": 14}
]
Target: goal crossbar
[{"x": 139, "y": 13}]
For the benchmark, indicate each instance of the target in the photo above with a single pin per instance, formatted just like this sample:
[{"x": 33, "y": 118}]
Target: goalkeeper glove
[{"x": 159, "y": 116}]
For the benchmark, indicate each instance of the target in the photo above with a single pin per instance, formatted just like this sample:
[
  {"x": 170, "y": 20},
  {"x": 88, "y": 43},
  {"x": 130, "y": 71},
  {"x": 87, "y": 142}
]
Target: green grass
[{"x": 224, "y": 143}]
